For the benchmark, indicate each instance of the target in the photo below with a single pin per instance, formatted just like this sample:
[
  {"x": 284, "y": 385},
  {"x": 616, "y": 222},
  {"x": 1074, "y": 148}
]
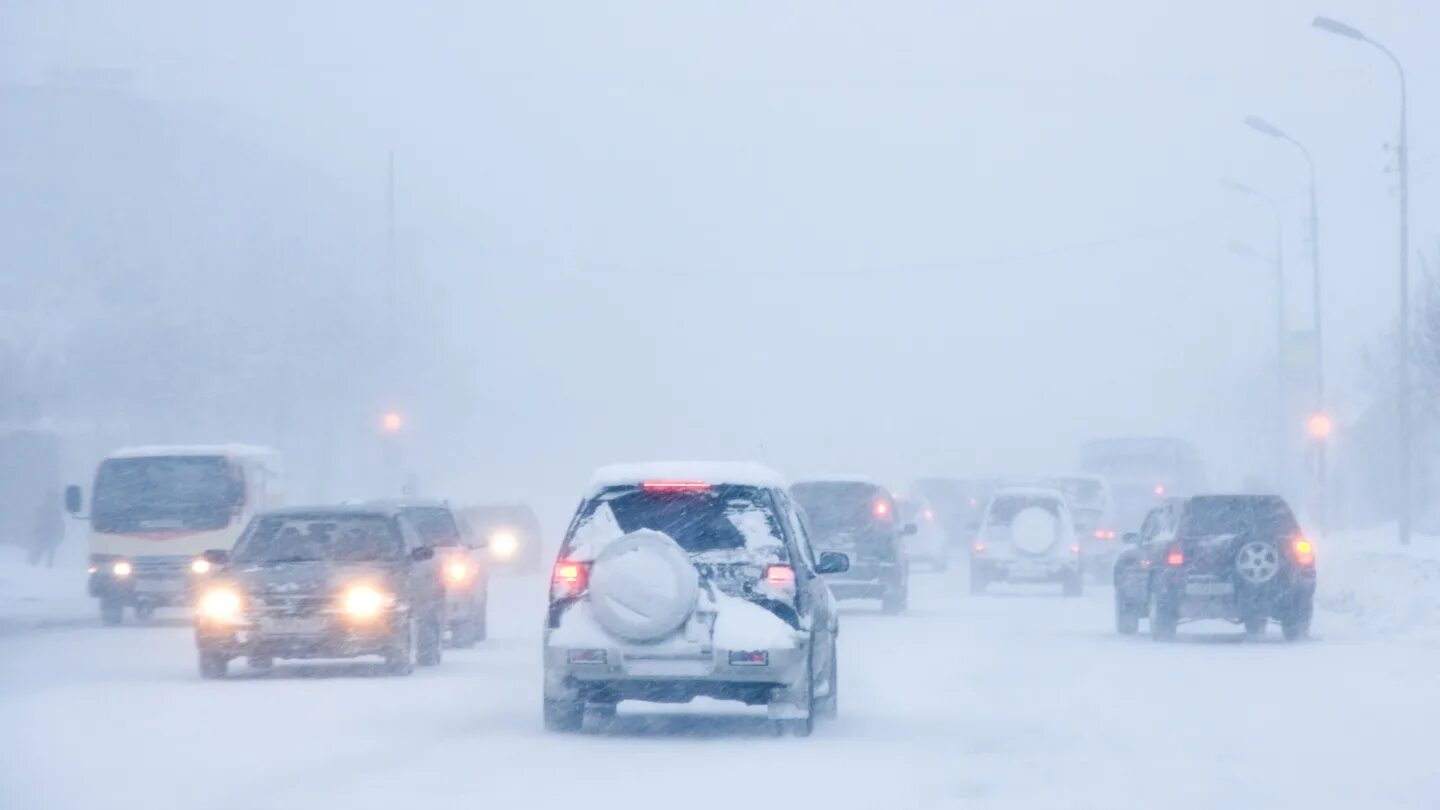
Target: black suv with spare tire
[
  {"x": 678, "y": 581},
  {"x": 1241, "y": 558}
]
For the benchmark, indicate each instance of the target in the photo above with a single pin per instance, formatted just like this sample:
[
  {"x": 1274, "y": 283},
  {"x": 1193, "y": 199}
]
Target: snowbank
[
  {"x": 1370, "y": 586},
  {"x": 36, "y": 596}
]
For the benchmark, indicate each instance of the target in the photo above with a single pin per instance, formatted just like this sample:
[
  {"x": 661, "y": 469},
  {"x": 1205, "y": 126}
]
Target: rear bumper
[
  {"x": 1213, "y": 597},
  {"x": 1049, "y": 569},
  {"x": 635, "y": 674}
]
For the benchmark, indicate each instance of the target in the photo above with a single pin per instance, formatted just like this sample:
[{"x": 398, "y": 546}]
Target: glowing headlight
[
  {"x": 220, "y": 604},
  {"x": 457, "y": 571},
  {"x": 122, "y": 569},
  {"x": 504, "y": 544},
  {"x": 365, "y": 602},
  {"x": 200, "y": 566}
]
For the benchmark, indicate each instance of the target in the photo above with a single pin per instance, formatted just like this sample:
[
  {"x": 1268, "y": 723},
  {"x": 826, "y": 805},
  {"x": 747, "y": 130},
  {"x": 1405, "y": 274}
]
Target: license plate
[
  {"x": 159, "y": 585},
  {"x": 1209, "y": 588},
  {"x": 298, "y": 625}
]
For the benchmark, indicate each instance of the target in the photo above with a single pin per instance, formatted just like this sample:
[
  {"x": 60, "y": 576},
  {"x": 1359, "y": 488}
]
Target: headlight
[
  {"x": 458, "y": 571},
  {"x": 365, "y": 602},
  {"x": 504, "y": 544},
  {"x": 122, "y": 569},
  {"x": 221, "y": 605},
  {"x": 200, "y": 566}
]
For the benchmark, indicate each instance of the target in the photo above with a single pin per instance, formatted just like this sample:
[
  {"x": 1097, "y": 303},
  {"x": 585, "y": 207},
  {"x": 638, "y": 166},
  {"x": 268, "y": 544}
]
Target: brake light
[
  {"x": 569, "y": 579},
  {"x": 1075, "y": 549},
  {"x": 1104, "y": 534},
  {"x": 929, "y": 514},
  {"x": 979, "y": 546},
  {"x": 1159, "y": 489},
  {"x": 1303, "y": 550},
  {"x": 882, "y": 508},
  {"x": 1175, "y": 557},
  {"x": 779, "y": 582},
  {"x": 674, "y": 485}
]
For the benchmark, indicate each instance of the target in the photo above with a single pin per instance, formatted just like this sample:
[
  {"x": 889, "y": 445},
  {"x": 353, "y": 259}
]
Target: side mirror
[
  {"x": 74, "y": 500},
  {"x": 1131, "y": 539},
  {"x": 216, "y": 556},
  {"x": 423, "y": 553},
  {"x": 832, "y": 562},
  {"x": 909, "y": 529}
]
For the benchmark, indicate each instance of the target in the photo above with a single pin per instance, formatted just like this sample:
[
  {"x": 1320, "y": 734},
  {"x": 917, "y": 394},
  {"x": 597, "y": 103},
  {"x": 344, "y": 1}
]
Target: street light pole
[
  {"x": 1282, "y": 423},
  {"x": 1321, "y": 462},
  {"x": 1402, "y": 159}
]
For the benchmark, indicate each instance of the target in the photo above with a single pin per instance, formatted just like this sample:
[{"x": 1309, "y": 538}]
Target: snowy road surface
[{"x": 1018, "y": 699}]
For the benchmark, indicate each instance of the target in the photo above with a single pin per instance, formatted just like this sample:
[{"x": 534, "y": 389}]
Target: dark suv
[
  {"x": 678, "y": 581},
  {"x": 1241, "y": 558},
  {"x": 462, "y": 564},
  {"x": 858, "y": 518},
  {"x": 322, "y": 582}
]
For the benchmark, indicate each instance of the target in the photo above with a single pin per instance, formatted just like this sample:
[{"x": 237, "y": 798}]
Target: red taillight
[
  {"x": 1175, "y": 557},
  {"x": 882, "y": 508},
  {"x": 979, "y": 546},
  {"x": 1304, "y": 551},
  {"x": 1075, "y": 549},
  {"x": 1159, "y": 489},
  {"x": 781, "y": 576},
  {"x": 569, "y": 579},
  {"x": 929, "y": 514},
  {"x": 1104, "y": 534},
  {"x": 674, "y": 485}
]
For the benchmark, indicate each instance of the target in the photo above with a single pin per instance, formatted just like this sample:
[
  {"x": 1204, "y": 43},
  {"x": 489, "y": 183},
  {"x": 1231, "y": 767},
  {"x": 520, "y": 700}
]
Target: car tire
[
  {"x": 603, "y": 709},
  {"x": 400, "y": 659},
  {"x": 977, "y": 581},
  {"x": 1126, "y": 622},
  {"x": 1296, "y": 625},
  {"x": 564, "y": 715},
  {"x": 482, "y": 622},
  {"x": 213, "y": 665},
  {"x": 430, "y": 645},
  {"x": 112, "y": 611},
  {"x": 804, "y": 727},
  {"x": 144, "y": 612},
  {"x": 829, "y": 706},
  {"x": 1164, "y": 618},
  {"x": 1073, "y": 584},
  {"x": 1255, "y": 625}
]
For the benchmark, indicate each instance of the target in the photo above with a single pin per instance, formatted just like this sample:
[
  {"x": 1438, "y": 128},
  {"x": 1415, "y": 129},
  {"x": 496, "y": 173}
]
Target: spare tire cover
[
  {"x": 643, "y": 586},
  {"x": 1034, "y": 530}
]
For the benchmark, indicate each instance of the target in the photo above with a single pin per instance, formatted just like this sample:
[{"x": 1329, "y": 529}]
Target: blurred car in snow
[
  {"x": 510, "y": 534},
  {"x": 678, "y": 581},
  {"x": 462, "y": 564},
  {"x": 858, "y": 518},
  {"x": 322, "y": 582},
  {"x": 928, "y": 544},
  {"x": 1027, "y": 536},
  {"x": 959, "y": 504},
  {"x": 1241, "y": 558}
]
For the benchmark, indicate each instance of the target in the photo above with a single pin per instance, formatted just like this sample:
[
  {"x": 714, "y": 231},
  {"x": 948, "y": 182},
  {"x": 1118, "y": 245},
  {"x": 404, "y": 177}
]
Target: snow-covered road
[{"x": 1019, "y": 699}]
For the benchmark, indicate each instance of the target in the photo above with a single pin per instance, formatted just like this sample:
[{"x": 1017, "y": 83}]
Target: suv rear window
[
  {"x": 838, "y": 506},
  {"x": 720, "y": 518},
  {"x": 1209, "y": 516}
]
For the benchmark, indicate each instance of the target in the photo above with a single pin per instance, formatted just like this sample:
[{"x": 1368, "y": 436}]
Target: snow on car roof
[
  {"x": 841, "y": 478},
  {"x": 194, "y": 450},
  {"x": 1030, "y": 492},
  {"x": 711, "y": 472}
]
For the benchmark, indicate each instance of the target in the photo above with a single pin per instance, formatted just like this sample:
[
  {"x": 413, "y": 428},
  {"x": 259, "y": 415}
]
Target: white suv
[
  {"x": 678, "y": 581},
  {"x": 1028, "y": 535}
]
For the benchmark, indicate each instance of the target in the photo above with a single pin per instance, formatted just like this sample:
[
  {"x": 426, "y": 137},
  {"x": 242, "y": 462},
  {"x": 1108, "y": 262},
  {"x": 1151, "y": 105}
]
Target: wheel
[
  {"x": 481, "y": 626},
  {"x": 1164, "y": 619},
  {"x": 431, "y": 642},
  {"x": 213, "y": 665},
  {"x": 895, "y": 600},
  {"x": 400, "y": 660},
  {"x": 144, "y": 612},
  {"x": 1255, "y": 625},
  {"x": 462, "y": 634},
  {"x": 1296, "y": 625},
  {"x": 564, "y": 715},
  {"x": 977, "y": 581},
  {"x": 1126, "y": 623},
  {"x": 1073, "y": 584},
  {"x": 829, "y": 706},
  {"x": 262, "y": 663},
  {"x": 804, "y": 726},
  {"x": 112, "y": 611}
]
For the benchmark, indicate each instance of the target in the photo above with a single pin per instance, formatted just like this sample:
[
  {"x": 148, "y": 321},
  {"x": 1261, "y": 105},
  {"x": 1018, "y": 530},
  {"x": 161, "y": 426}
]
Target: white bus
[{"x": 153, "y": 510}]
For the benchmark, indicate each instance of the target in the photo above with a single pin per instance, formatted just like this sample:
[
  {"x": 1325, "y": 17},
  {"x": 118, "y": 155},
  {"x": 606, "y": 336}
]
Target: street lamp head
[
  {"x": 1320, "y": 426},
  {"x": 392, "y": 421},
  {"x": 1264, "y": 127},
  {"x": 1338, "y": 28}
]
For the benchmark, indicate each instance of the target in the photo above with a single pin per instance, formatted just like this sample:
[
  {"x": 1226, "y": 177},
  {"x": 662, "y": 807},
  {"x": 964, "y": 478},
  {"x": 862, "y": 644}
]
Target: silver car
[{"x": 684, "y": 581}]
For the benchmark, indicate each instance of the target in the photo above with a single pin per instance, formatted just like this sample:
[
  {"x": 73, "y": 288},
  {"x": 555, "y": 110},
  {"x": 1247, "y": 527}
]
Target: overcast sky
[{"x": 899, "y": 236}]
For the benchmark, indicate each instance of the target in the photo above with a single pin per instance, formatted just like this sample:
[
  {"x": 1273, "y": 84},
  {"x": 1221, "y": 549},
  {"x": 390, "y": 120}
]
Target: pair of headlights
[{"x": 362, "y": 602}]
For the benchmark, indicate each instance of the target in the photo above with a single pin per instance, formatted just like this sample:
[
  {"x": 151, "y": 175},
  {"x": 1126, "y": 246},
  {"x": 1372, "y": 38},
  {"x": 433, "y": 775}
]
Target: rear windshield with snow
[
  {"x": 1211, "y": 516},
  {"x": 1004, "y": 508},
  {"x": 720, "y": 518},
  {"x": 841, "y": 506}
]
